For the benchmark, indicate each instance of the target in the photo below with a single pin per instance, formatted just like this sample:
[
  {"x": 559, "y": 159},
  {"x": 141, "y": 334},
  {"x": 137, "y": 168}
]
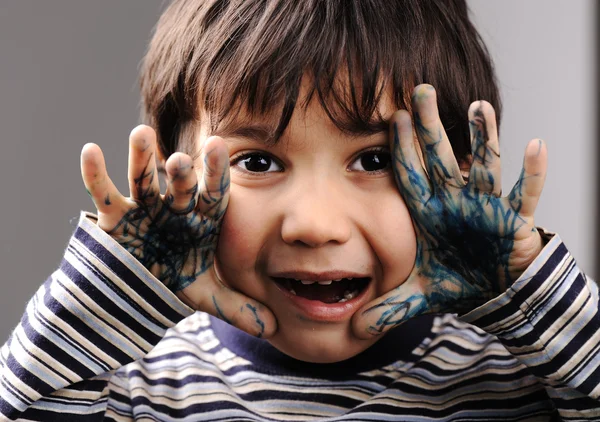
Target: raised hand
[
  {"x": 174, "y": 235},
  {"x": 472, "y": 244}
]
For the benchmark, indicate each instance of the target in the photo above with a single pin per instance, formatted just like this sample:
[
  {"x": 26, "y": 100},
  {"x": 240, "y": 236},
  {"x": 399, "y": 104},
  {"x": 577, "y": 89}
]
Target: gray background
[{"x": 68, "y": 74}]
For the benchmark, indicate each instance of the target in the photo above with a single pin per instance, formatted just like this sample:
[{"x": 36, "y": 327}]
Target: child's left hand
[{"x": 472, "y": 244}]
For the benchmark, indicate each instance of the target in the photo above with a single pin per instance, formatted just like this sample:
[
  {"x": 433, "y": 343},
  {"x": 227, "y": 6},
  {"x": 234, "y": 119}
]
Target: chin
[{"x": 319, "y": 343}]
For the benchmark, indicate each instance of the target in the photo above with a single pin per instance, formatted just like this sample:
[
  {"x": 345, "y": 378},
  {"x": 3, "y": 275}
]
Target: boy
[{"x": 281, "y": 217}]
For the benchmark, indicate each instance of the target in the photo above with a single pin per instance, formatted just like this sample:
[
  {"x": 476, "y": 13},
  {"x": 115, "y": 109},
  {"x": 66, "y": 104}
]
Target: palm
[
  {"x": 176, "y": 248},
  {"x": 466, "y": 252},
  {"x": 173, "y": 237}
]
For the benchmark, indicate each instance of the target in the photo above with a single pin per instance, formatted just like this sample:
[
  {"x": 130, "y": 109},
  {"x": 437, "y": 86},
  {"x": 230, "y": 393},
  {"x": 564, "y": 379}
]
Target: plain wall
[
  {"x": 68, "y": 75},
  {"x": 545, "y": 56}
]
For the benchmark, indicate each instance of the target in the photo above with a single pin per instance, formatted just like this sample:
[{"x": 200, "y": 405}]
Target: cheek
[
  {"x": 233, "y": 242},
  {"x": 243, "y": 234},
  {"x": 394, "y": 241},
  {"x": 236, "y": 248}
]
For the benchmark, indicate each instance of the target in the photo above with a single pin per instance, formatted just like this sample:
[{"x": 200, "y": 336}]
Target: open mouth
[{"x": 331, "y": 291}]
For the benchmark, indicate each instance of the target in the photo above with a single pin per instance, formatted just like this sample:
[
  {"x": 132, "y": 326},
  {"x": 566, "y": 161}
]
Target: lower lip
[{"x": 328, "y": 312}]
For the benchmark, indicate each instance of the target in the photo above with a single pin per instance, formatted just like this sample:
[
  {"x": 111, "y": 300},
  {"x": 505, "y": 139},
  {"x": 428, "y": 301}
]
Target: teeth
[
  {"x": 350, "y": 294},
  {"x": 293, "y": 292},
  {"x": 323, "y": 283}
]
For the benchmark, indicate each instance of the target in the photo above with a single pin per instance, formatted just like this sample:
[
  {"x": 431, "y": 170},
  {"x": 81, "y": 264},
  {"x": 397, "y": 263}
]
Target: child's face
[{"x": 308, "y": 208}]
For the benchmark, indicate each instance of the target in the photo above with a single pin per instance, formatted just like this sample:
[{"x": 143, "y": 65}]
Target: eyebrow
[
  {"x": 255, "y": 132},
  {"x": 266, "y": 135}
]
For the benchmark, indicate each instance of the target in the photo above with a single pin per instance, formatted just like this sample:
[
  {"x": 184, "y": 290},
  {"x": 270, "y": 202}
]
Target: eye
[
  {"x": 256, "y": 162},
  {"x": 372, "y": 161}
]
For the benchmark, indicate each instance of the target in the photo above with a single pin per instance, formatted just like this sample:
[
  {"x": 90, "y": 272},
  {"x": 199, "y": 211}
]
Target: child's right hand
[{"x": 174, "y": 235}]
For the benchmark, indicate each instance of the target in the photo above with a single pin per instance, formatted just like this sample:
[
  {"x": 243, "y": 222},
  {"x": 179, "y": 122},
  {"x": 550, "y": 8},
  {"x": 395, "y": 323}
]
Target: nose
[{"x": 315, "y": 214}]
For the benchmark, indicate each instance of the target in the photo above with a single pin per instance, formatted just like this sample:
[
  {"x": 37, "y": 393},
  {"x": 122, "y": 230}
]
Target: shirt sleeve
[
  {"x": 100, "y": 310},
  {"x": 549, "y": 320}
]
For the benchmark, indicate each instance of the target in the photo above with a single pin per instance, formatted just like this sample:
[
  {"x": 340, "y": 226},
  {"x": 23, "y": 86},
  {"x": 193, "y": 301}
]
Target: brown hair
[{"x": 216, "y": 56}]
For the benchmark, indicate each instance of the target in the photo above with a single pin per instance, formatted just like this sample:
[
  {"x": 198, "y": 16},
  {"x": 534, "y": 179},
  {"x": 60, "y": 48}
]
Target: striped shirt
[{"x": 102, "y": 339}]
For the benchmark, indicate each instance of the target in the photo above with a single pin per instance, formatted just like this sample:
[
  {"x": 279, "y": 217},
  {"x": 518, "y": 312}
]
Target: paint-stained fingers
[
  {"x": 439, "y": 158},
  {"x": 143, "y": 177},
  {"x": 182, "y": 183},
  {"x": 232, "y": 307},
  {"x": 410, "y": 176},
  {"x": 104, "y": 193},
  {"x": 485, "y": 174},
  {"x": 214, "y": 185},
  {"x": 388, "y": 311},
  {"x": 526, "y": 193}
]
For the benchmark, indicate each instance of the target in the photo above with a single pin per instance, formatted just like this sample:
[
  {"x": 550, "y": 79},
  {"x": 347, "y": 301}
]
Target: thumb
[
  {"x": 229, "y": 305},
  {"x": 390, "y": 310}
]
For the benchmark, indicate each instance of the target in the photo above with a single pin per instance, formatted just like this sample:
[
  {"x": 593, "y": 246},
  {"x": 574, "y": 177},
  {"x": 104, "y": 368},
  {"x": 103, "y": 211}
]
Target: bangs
[{"x": 266, "y": 59}]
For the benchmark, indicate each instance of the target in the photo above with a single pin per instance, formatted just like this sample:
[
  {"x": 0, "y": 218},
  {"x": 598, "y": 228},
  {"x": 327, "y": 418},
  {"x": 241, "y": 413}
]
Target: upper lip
[{"x": 321, "y": 276}]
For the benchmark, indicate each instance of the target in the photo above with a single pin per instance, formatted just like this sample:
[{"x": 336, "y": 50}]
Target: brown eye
[
  {"x": 371, "y": 161},
  {"x": 256, "y": 163}
]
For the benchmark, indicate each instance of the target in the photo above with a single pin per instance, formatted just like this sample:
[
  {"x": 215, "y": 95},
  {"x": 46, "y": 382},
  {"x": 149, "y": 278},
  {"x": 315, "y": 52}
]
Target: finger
[
  {"x": 410, "y": 176},
  {"x": 526, "y": 193},
  {"x": 143, "y": 177},
  {"x": 485, "y": 173},
  {"x": 182, "y": 183},
  {"x": 388, "y": 311},
  {"x": 214, "y": 186},
  {"x": 101, "y": 189},
  {"x": 439, "y": 158},
  {"x": 230, "y": 306}
]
